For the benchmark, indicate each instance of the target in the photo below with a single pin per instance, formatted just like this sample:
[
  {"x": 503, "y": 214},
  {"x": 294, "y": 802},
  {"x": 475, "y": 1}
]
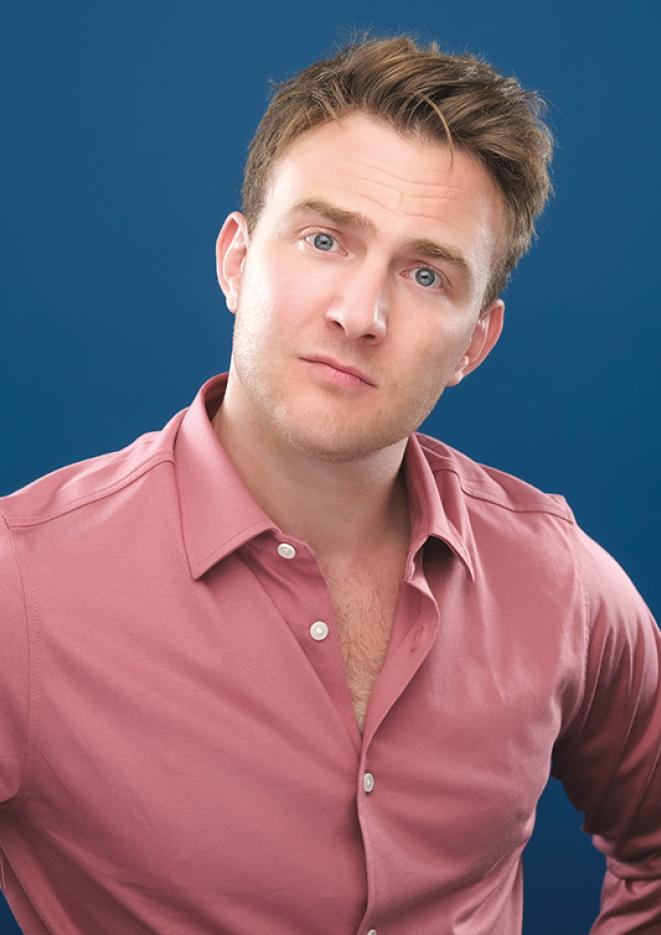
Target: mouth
[{"x": 343, "y": 374}]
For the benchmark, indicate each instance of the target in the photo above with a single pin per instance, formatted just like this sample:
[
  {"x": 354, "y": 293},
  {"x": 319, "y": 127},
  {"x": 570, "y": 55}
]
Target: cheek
[
  {"x": 433, "y": 346},
  {"x": 432, "y": 362},
  {"x": 277, "y": 295},
  {"x": 256, "y": 315}
]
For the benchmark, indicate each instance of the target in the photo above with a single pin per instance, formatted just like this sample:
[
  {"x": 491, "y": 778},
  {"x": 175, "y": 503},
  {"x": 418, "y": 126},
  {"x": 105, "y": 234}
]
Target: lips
[{"x": 345, "y": 368}]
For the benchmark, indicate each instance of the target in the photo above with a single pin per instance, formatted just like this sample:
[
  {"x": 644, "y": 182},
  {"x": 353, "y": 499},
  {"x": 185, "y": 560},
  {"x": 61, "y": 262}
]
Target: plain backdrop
[{"x": 124, "y": 132}]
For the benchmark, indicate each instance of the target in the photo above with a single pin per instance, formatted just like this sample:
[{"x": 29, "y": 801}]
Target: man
[{"x": 287, "y": 665}]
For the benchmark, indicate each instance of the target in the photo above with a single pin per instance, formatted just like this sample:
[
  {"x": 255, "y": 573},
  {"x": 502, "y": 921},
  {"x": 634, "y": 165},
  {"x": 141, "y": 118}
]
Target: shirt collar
[
  {"x": 219, "y": 514},
  {"x": 437, "y": 505}
]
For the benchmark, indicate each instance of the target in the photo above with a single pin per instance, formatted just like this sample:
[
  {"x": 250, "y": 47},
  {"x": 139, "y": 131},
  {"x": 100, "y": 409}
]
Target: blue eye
[
  {"x": 425, "y": 276},
  {"x": 323, "y": 241}
]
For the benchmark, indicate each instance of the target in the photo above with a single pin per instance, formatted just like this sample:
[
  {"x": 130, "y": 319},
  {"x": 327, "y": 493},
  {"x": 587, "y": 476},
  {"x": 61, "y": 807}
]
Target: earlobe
[
  {"x": 231, "y": 250},
  {"x": 488, "y": 329}
]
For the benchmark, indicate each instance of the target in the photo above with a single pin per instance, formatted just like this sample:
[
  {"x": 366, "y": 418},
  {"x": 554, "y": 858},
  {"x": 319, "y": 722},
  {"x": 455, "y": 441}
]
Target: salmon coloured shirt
[{"x": 178, "y": 748}]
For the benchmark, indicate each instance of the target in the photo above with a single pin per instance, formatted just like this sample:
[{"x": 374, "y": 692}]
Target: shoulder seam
[
  {"x": 98, "y": 494},
  {"x": 481, "y": 495}
]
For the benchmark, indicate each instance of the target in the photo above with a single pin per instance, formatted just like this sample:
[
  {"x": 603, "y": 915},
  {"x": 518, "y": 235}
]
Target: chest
[{"x": 365, "y": 606}]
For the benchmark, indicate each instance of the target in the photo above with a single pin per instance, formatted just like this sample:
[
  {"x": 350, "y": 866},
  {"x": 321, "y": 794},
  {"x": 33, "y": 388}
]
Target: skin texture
[{"x": 323, "y": 461}]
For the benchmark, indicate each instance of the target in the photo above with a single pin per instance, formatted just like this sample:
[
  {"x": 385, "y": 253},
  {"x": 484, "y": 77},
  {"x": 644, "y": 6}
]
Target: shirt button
[
  {"x": 285, "y": 550},
  {"x": 368, "y": 785},
  {"x": 372, "y": 932},
  {"x": 319, "y": 630}
]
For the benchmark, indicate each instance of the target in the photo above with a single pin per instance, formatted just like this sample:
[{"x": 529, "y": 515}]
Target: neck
[{"x": 340, "y": 510}]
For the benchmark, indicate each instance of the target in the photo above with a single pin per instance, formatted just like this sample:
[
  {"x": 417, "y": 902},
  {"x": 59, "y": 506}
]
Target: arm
[{"x": 609, "y": 758}]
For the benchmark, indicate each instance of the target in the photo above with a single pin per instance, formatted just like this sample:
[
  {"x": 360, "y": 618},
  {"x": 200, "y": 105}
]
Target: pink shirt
[{"x": 178, "y": 748}]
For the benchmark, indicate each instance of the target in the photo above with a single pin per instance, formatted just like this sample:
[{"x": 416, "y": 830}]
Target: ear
[
  {"x": 485, "y": 335},
  {"x": 231, "y": 251}
]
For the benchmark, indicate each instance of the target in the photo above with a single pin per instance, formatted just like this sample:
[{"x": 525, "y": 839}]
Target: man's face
[{"x": 372, "y": 295}]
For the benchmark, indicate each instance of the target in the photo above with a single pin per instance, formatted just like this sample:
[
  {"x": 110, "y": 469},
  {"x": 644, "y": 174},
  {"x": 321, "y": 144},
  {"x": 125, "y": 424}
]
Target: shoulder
[
  {"x": 541, "y": 528},
  {"x": 507, "y": 519},
  {"x": 83, "y": 483},
  {"x": 489, "y": 485}
]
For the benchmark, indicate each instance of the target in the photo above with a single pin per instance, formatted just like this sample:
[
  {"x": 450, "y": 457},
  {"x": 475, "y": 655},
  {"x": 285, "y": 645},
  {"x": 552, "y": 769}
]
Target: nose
[{"x": 360, "y": 306}]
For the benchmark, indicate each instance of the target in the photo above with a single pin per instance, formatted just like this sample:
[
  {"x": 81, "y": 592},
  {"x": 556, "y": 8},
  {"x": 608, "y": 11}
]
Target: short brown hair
[{"x": 456, "y": 99}]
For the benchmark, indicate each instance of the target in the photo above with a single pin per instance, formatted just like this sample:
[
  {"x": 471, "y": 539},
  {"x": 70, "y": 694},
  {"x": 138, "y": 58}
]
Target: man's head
[
  {"x": 376, "y": 243},
  {"x": 455, "y": 99}
]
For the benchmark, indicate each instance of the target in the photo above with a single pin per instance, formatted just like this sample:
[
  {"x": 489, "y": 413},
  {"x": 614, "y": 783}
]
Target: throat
[{"x": 365, "y": 597}]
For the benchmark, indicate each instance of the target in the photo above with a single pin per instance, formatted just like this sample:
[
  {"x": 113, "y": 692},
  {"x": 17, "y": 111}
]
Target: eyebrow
[{"x": 353, "y": 219}]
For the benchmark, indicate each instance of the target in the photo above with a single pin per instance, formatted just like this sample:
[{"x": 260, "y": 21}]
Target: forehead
[{"x": 406, "y": 186}]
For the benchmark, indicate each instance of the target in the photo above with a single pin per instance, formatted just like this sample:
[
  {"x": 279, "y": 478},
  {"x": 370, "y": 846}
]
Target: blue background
[{"x": 123, "y": 144}]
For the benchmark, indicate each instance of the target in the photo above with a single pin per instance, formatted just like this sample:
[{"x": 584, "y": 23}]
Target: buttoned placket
[{"x": 319, "y": 629}]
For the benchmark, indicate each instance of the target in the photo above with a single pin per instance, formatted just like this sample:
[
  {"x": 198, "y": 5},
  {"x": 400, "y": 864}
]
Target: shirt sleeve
[
  {"x": 13, "y": 669},
  {"x": 609, "y": 757}
]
